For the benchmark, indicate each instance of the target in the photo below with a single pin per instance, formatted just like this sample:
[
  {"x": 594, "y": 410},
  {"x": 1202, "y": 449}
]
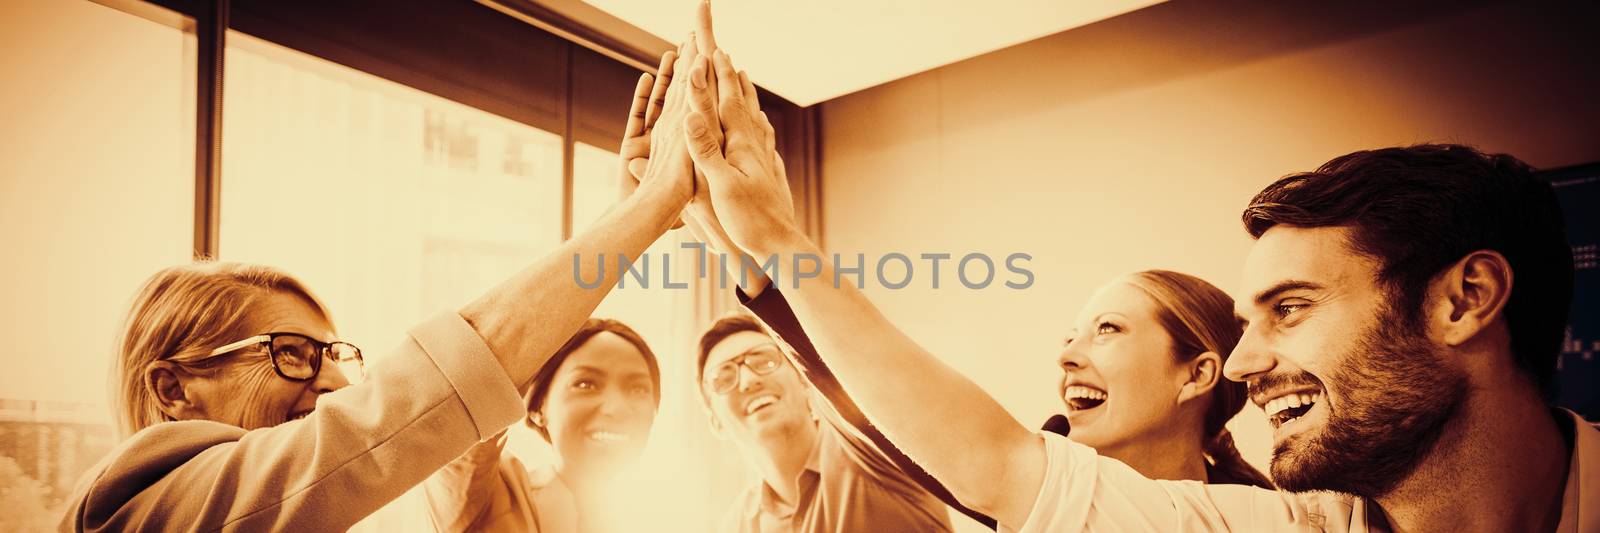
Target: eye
[
  {"x": 1284, "y": 309},
  {"x": 585, "y": 384},
  {"x": 1106, "y": 328},
  {"x": 639, "y": 390}
]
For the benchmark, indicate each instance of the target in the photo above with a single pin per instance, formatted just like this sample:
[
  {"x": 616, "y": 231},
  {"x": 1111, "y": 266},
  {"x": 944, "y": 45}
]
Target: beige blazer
[{"x": 440, "y": 393}]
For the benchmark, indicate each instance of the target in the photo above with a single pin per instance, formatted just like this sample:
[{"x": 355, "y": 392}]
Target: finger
[
  {"x": 636, "y": 168},
  {"x": 685, "y": 60},
  {"x": 695, "y": 58},
  {"x": 636, "y": 111},
  {"x": 704, "y": 148},
  {"x": 728, "y": 89},
  {"x": 658, "y": 94},
  {"x": 702, "y": 28},
  {"x": 768, "y": 131},
  {"x": 701, "y": 98},
  {"x": 628, "y": 181},
  {"x": 750, "y": 95}
]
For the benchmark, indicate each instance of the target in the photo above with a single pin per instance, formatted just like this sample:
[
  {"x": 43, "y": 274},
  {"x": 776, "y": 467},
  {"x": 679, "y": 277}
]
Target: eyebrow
[
  {"x": 598, "y": 370},
  {"x": 1285, "y": 286},
  {"x": 758, "y": 347},
  {"x": 753, "y": 349},
  {"x": 1114, "y": 314}
]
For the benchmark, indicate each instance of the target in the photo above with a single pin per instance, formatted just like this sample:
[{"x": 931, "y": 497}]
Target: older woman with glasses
[{"x": 234, "y": 419}]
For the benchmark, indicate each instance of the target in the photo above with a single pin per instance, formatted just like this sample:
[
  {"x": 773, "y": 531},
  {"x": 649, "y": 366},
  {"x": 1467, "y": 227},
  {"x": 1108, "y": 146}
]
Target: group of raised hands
[{"x": 696, "y": 127}]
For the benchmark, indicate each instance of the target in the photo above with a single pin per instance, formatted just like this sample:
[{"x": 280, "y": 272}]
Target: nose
[
  {"x": 329, "y": 379},
  {"x": 614, "y": 402},
  {"x": 1251, "y": 357},
  {"x": 748, "y": 379},
  {"x": 1072, "y": 357}
]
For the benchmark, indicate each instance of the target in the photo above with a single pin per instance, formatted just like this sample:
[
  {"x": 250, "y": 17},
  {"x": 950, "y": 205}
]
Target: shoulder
[
  {"x": 165, "y": 446},
  {"x": 144, "y": 460},
  {"x": 743, "y": 511}
]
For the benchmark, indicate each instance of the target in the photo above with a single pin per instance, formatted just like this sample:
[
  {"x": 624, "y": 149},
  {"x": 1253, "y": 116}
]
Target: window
[
  {"x": 390, "y": 203},
  {"x": 396, "y": 176},
  {"x": 96, "y": 193}
]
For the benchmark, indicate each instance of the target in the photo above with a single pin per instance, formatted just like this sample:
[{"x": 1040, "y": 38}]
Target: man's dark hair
[
  {"x": 1419, "y": 209},
  {"x": 720, "y": 330}
]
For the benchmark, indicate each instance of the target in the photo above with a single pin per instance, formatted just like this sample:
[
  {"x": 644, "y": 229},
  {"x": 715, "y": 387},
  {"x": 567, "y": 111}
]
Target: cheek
[
  {"x": 1141, "y": 383},
  {"x": 1317, "y": 344},
  {"x": 644, "y": 409},
  {"x": 257, "y": 397},
  {"x": 566, "y": 413}
]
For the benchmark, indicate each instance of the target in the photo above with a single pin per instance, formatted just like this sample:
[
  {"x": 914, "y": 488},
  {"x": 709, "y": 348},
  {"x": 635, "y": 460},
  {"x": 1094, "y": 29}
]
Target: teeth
[
  {"x": 759, "y": 402},
  {"x": 607, "y": 436},
  {"x": 1081, "y": 392},
  {"x": 1278, "y": 405}
]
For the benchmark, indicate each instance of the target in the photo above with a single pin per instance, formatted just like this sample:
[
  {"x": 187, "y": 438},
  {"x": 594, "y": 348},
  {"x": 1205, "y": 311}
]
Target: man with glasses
[{"x": 818, "y": 472}]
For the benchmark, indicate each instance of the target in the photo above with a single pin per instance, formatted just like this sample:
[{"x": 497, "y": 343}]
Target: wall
[{"x": 1135, "y": 142}]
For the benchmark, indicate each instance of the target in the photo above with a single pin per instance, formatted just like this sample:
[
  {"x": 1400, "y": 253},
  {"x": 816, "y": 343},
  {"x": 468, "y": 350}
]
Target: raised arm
[
  {"x": 948, "y": 424},
  {"x": 529, "y": 316},
  {"x": 445, "y": 389}
]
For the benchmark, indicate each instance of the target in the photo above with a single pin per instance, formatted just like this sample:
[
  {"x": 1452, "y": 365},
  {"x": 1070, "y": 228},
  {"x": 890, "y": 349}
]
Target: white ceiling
[{"x": 815, "y": 50}]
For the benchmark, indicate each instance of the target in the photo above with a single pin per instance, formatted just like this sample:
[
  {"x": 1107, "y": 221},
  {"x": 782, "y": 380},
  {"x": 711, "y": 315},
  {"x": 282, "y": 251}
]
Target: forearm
[
  {"x": 940, "y": 418},
  {"x": 465, "y": 490},
  {"x": 526, "y": 318},
  {"x": 773, "y": 309}
]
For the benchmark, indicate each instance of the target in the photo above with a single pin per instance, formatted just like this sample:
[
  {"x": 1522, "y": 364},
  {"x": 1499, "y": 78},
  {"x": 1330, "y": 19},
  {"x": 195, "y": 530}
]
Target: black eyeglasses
[
  {"x": 762, "y": 360},
  {"x": 297, "y": 357}
]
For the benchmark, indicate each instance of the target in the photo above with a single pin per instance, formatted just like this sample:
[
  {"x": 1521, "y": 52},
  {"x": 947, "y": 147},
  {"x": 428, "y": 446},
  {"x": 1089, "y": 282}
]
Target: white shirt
[{"x": 1121, "y": 499}]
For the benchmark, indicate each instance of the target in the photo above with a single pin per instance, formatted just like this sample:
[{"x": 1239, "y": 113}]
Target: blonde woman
[
  {"x": 1142, "y": 378},
  {"x": 237, "y": 417}
]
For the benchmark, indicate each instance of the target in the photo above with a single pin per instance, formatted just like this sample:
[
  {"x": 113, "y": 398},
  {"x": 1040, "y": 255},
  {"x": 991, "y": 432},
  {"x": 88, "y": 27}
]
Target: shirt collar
[
  {"x": 767, "y": 500},
  {"x": 1580, "y": 505}
]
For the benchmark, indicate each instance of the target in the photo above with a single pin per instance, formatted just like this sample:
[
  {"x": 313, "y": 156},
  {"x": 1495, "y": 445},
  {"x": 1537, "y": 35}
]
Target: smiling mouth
[
  {"x": 1080, "y": 397},
  {"x": 758, "y": 403},
  {"x": 607, "y": 437},
  {"x": 1290, "y": 407}
]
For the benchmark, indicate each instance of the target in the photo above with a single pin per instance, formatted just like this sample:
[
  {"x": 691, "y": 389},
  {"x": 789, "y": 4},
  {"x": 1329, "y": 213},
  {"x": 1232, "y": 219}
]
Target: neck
[
  {"x": 1490, "y": 487},
  {"x": 587, "y": 485},
  {"x": 1175, "y": 455},
  {"x": 781, "y": 456}
]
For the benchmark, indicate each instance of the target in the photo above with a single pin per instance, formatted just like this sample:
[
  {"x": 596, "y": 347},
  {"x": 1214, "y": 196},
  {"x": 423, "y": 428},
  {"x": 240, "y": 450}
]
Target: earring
[{"x": 537, "y": 418}]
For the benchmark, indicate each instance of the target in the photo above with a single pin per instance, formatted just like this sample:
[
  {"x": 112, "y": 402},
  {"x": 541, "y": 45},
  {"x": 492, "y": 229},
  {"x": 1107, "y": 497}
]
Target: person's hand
[
  {"x": 700, "y": 217},
  {"x": 668, "y": 168},
  {"x": 749, "y": 191},
  {"x": 649, "y": 97}
]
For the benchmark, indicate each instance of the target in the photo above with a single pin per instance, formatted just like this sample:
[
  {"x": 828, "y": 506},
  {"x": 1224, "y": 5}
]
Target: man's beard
[{"x": 1396, "y": 396}]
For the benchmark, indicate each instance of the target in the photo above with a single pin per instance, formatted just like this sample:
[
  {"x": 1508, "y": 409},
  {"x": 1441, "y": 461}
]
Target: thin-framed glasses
[
  {"x": 762, "y": 360},
  {"x": 297, "y": 357}
]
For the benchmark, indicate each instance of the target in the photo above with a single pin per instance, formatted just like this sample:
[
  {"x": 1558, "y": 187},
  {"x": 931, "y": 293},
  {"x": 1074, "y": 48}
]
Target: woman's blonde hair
[
  {"x": 1199, "y": 317},
  {"x": 181, "y": 314}
]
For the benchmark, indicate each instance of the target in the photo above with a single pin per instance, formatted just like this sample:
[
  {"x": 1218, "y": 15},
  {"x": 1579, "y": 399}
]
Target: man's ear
[
  {"x": 1469, "y": 296},
  {"x": 169, "y": 384},
  {"x": 716, "y": 424},
  {"x": 1204, "y": 371}
]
